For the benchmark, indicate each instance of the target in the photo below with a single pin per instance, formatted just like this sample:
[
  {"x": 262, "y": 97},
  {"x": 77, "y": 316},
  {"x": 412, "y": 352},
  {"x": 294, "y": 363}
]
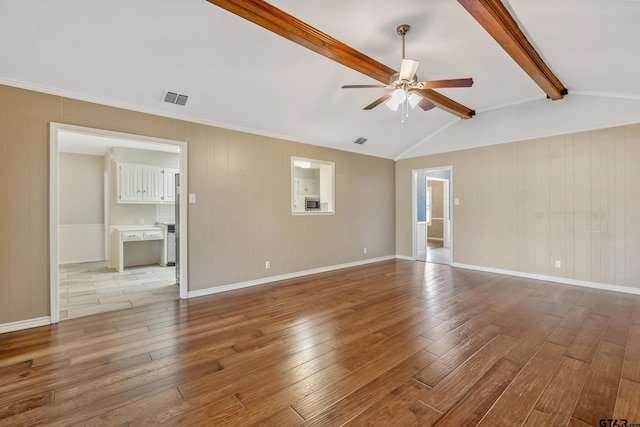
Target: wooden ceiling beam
[
  {"x": 446, "y": 104},
  {"x": 279, "y": 22},
  {"x": 498, "y": 22}
]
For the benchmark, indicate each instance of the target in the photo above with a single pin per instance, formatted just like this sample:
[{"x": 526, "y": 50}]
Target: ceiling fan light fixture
[
  {"x": 408, "y": 69},
  {"x": 414, "y": 99},
  {"x": 398, "y": 96},
  {"x": 392, "y": 105}
]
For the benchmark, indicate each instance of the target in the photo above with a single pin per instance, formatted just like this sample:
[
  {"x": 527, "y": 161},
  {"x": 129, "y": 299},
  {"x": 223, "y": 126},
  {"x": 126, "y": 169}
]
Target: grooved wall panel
[
  {"x": 571, "y": 198},
  {"x": 242, "y": 217},
  {"x": 18, "y": 195},
  {"x": 632, "y": 211},
  {"x": 557, "y": 196},
  {"x": 4, "y": 202}
]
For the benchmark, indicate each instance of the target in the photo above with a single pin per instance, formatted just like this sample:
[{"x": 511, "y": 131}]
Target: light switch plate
[
  {"x": 456, "y": 201},
  {"x": 192, "y": 198}
]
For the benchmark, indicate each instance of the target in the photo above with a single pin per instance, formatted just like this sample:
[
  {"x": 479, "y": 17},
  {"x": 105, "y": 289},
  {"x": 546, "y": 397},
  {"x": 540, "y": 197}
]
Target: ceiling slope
[{"x": 494, "y": 17}]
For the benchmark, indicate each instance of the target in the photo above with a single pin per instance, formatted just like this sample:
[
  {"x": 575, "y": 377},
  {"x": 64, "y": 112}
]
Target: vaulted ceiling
[{"x": 240, "y": 75}]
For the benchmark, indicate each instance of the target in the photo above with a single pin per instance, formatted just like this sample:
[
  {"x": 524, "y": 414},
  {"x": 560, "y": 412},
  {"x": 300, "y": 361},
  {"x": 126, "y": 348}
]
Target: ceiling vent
[
  {"x": 175, "y": 98},
  {"x": 360, "y": 140}
]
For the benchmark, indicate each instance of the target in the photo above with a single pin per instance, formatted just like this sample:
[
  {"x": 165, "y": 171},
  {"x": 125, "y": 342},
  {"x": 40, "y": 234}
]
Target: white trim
[
  {"x": 405, "y": 258},
  {"x": 563, "y": 280},
  {"x": 511, "y": 104},
  {"x": 54, "y": 294},
  {"x": 24, "y": 324},
  {"x": 439, "y": 239},
  {"x": 630, "y": 96},
  {"x": 264, "y": 280}
]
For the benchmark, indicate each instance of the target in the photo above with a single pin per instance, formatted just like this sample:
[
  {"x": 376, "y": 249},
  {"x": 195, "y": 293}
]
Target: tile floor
[
  {"x": 90, "y": 288},
  {"x": 435, "y": 253}
]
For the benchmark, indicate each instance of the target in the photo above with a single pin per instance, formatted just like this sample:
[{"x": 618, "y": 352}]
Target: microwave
[{"x": 311, "y": 204}]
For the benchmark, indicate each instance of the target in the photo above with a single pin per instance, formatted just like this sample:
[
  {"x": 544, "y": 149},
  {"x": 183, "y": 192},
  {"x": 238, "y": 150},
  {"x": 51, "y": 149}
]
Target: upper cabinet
[
  {"x": 169, "y": 185},
  {"x": 138, "y": 183}
]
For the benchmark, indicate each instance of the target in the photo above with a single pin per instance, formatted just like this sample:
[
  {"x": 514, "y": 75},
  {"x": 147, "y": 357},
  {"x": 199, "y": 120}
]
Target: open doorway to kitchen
[
  {"x": 432, "y": 215},
  {"x": 113, "y": 205}
]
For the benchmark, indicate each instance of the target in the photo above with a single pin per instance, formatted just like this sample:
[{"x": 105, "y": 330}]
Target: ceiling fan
[
  {"x": 406, "y": 90},
  {"x": 279, "y": 22}
]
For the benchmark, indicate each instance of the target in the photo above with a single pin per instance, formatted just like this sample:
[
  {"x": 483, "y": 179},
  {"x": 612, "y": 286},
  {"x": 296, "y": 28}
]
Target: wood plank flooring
[{"x": 396, "y": 343}]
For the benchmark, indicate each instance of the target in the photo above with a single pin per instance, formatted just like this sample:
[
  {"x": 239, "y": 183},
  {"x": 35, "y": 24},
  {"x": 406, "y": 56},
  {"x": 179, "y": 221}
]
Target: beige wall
[
  {"x": 573, "y": 198},
  {"x": 241, "y": 218}
]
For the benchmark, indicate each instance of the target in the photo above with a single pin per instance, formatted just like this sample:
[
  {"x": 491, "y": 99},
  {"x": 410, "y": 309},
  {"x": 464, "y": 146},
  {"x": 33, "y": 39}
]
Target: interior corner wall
[
  {"x": 525, "y": 205},
  {"x": 242, "y": 216}
]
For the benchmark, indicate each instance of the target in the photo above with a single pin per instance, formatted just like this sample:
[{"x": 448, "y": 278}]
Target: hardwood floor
[{"x": 396, "y": 343}]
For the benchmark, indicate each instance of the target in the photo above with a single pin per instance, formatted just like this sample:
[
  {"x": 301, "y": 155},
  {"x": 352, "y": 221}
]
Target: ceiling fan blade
[
  {"x": 435, "y": 84},
  {"x": 377, "y": 102},
  {"x": 425, "y": 104},
  {"x": 408, "y": 69},
  {"x": 279, "y": 22},
  {"x": 362, "y": 86},
  {"x": 447, "y": 104}
]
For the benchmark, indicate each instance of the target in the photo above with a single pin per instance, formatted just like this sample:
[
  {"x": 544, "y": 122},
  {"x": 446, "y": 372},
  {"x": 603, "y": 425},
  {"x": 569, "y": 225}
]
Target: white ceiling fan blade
[{"x": 408, "y": 69}]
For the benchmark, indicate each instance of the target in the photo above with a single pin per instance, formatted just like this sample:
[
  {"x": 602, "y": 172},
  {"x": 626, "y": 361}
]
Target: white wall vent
[
  {"x": 360, "y": 140},
  {"x": 174, "y": 98}
]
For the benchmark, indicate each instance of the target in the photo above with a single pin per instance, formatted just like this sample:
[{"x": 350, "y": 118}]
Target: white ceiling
[{"x": 126, "y": 53}]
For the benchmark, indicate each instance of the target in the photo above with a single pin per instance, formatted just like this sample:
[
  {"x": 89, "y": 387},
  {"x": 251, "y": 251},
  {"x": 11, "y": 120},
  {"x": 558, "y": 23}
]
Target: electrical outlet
[
  {"x": 364, "y": 250},
  {"x": 267, "y": 265},
  {"x": 140, "y": 221},
  {"x": 558, "y": 263}
]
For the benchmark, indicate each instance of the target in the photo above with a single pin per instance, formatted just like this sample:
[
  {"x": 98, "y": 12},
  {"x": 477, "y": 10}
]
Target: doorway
[
  {"x": 90, "y": 241},
  {"x": 432, "y": 215}
]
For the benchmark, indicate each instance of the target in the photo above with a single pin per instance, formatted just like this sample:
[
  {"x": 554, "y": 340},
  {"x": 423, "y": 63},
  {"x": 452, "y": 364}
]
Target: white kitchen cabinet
[
  {"x": 169, "y": 179},
  {"x": 145, "y": 184},
  {"x": 152, "y": 184},
  {"x": 129, "y": 183}
]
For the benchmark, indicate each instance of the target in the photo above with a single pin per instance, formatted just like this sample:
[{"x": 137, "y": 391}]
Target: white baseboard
[
  {"x": 405, "y": 258},
  {"x": 563, "y": 280},
  {"x": 264, "y": 280},
  {"x": 438, "y": 239},
  {"x": 24, "y": 324}
]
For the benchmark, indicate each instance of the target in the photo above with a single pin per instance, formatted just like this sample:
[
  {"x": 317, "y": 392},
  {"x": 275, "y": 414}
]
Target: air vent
[
  {"x": 175, "y": 98},
  {"x": 360, "y": 140}
]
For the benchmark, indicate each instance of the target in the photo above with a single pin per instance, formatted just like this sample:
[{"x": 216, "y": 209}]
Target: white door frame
[
  {"x": 54, "y": 130},
  {"x": 414, "y": 208}
]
